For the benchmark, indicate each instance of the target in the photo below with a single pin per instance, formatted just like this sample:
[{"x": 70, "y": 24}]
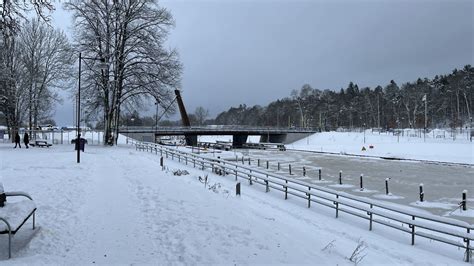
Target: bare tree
[
  {"x": 46, "y": 57},
  {"x": 11, "y": 14},
  {"x": 201, "y": 115},
  {"x": 129, "y": 36}
]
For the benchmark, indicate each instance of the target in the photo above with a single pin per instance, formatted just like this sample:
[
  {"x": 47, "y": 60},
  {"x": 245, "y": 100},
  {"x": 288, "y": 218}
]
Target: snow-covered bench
[
  {"x": 41, "y": 143},
  {"x": 15, "y": 214}
]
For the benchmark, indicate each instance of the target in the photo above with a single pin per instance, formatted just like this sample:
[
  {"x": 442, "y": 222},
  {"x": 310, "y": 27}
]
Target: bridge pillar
[
  {"x": 273, "y": 138},
  {"x": 277, "y": 138},
  {"x": 191, "y": 140},
  {"x": 238, "y": 140}
]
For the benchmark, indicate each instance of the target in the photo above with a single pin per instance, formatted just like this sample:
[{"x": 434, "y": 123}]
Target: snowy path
[{"x": 117, "y": 206}]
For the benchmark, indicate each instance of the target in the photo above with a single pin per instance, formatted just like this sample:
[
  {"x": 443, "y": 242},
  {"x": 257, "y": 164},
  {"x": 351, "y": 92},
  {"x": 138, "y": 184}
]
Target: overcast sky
[{"x": 254, "y": 52}]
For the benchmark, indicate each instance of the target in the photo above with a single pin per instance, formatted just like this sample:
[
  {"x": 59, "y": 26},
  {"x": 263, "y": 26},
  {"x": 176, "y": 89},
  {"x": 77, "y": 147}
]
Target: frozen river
[{"x": 443, "y": 184}]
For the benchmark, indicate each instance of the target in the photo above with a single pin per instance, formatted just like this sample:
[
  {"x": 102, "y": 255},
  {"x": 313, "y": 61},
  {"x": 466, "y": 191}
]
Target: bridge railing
[
  {"x": 229, "y": 128},
  {"x": 437, "y": 228}
]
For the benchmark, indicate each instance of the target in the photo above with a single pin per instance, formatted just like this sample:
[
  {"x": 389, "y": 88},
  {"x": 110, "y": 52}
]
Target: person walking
[
  {"x": 26, "y": 139},
  {"x": 17, "y": 140}
]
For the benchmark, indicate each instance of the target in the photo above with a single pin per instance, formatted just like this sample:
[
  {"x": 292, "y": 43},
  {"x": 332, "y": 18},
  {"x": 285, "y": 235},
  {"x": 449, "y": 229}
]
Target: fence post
[
  {"x": 340, "y": 177},
  {"x": 370, "y": 214},
  {"x": 464, "y": 202},
  {"x": 237, "y": 189},
  {"x": 468, "y": 250},
  {"x": 258, "y": 162},
  {"x": 242, "y": 159},
  {"x": 412, "y": 226},
  {"x": 278, "y": 166},
  {"x": 161, "y": 163},
  {"x": 266, "y": 186},
  {"x": 309, "y": 197},
  {"x": 386, "y": 186},
  {"x": 289, "y": 168},
  {"x": 235, "y": 174},
  {"x": 337, "y": 206},
  {"x": 286, "y": 189},
  {"x": 422, "y": 194},
  {"x": 267, "y": 164},
  {"x": 361, "y": 182},
  {"x": 319, "y": 174},
  {"x": 249, "y": 160}
]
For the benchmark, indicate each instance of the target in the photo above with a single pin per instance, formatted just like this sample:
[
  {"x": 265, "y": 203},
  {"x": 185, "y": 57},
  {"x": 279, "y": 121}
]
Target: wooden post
[
  {"x": 266, "y": 186},
  {"x": 340, "y": 177},
  {"x": 361, "y": 182},
  {"x": 286, "y": 189},
  {"x": 289, "y": 168},
  {"x": 386, "y": 186},
  {"x": 237, "y": 189},
  {"x": 319, "y": 174},
  {"x": 304, "y": 171},
  {"x": 161, "y": 163},
  {"x": 422, "y": 194},
  {"x": 267, "y": 164},
  {"x": 464, "y": 201}
]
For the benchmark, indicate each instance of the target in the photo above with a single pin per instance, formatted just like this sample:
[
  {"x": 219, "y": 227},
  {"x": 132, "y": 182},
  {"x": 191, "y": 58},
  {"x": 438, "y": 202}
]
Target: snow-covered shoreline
[{"x": 445, "y": 150}]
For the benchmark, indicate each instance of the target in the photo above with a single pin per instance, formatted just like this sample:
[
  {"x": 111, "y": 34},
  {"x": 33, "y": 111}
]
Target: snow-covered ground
[
  {"x": 118, "y": 206},
  {"x": 437, "y": 146}
]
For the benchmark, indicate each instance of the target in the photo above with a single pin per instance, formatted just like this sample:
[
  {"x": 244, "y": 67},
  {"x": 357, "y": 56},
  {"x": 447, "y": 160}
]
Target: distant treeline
[{"x": 449, "y": 103}]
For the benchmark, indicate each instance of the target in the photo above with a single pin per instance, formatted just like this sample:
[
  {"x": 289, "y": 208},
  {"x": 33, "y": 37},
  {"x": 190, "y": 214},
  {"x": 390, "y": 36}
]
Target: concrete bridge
[{"x": 239, "y": 133}]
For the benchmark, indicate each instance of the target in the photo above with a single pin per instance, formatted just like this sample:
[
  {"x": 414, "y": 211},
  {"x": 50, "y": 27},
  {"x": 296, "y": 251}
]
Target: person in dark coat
[
  {"x": 17, "y": 140},
  {"x": 26, "y": 139}
]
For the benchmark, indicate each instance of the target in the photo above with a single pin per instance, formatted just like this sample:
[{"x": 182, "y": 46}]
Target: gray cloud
[{"x": 254, "y": 52}]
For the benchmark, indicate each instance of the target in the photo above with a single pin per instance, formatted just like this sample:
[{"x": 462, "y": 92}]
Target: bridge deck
[{"x": 215, "y": 130}]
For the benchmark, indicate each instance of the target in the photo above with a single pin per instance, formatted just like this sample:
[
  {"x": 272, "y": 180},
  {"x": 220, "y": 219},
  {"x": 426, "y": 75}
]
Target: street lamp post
[
  {"x": 470, "y": 125},
  {"x": 78, "y": 139}
]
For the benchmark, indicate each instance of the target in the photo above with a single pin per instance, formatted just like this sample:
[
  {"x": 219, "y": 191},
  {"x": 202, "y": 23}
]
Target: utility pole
[
  {"x": 378, "y": 111},
  {"x": 426, "y": 116}
]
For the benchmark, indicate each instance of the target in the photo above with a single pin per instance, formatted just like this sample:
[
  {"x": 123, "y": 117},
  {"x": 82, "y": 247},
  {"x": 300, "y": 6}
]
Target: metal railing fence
[{"x": 437, "y": 228}]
